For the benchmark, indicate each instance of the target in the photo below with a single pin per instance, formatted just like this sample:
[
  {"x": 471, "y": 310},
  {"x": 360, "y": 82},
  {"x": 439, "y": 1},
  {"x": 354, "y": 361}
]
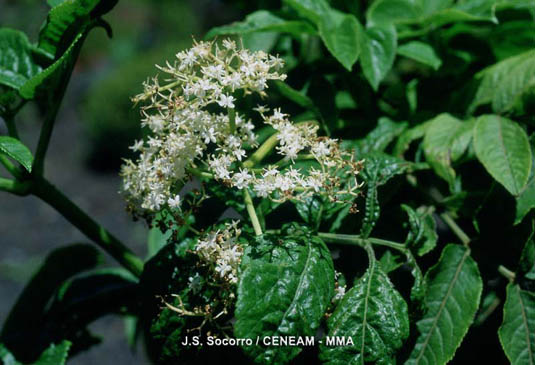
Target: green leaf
[
  {"x": 294, "y": 276},
  {"x": 16, "y": 150},
  {"x": 429, "y": 14},
  {"x": 505, "y": 83},
  {"x": 55, "y": 354},
  {"x": 56, "y": 74},
  {"x": 378, "y": 139},
  {"x": 422, "y": 236},
  {"x": 340, "y": 33},
  {"x": 446, "y": 139},
  {"x": 263, "y": 21},
  {"x": 502, "y": 146},
  {"x": 7, "y": 357},
  {"x": 526, "y": 266},
  {"x": 66, "y": 20},
  {"x": 17, "y": 58},
  {"x": 525, "y": 201},
  {"x": 378, "y": 169},
  {"x": 377, "y": 52},
  {"x": 24, "y": 324},
  {"x": 420, "y": 52},
  {"x": 391, "y": 261},
  {"x": 453, "y": 292},
  {"x": 517, "y": 332},
  {"x": 410, "y": 135},
  {"x": 374, "y": 315}
]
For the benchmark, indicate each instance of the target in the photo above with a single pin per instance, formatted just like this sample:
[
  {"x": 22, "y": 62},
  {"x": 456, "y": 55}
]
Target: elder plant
[{"x": 320, "y": 170}]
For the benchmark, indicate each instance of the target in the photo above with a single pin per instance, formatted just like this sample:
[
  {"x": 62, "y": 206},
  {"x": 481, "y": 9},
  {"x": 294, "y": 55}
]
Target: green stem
[
  {"x": 507, "y": 273},
  {"x": 252, "y": 212},
  {"x": 55, "y": 198},
  {"x": 10, "y": 167},
  {"x": 14, "y": 187},
  {"x": 232, "y": 120},
  {"x": 46, "y": 134},
  {"x": 266, "y": 147},
  {"x": 455, "y": 228},
  {"x": 347, "y": 239},
  {"x": 9, "y": 118},
  {"x": 200, "y": 173},
  {"x": 262, "y": 151}
]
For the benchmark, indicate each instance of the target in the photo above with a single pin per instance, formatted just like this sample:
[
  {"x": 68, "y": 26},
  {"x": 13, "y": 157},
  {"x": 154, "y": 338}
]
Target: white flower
[
  {"x": 340, "y": 292},
  {"x": 137, "y": 146},
  {"x": 226, "y": 101},
  {"x": 174, "y": 202},
  {"x": 241, "y": 179}
]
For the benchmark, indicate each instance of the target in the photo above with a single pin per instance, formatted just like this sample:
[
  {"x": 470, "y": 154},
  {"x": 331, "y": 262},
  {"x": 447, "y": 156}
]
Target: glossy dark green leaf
[
  {"x": 374, "y": 315},
  {"x": 294, "y": 276},
  {"x": 422, "y": 236},
  {"x": 16, "y": 150},
  {"x": 502, "y": 146},
  {"x": 378, "y": 139},
  {"x": 66, "y": 20},
  {"x": 378, "y": 169},
  {"x": 377, "y": 52},
  {"x": 56, "y": 74},
  {"x": 420, "y": 52},
  {"x": 446, "y": 139},
  {"x": 17, "y": 58},
  {"x": 505, "y": 83},
  {"x": 54, "y": 354},
  {"x": 263, "y": 21},
  {"x": 517, "y": 332},
  {"x": 453, "y": 292}
]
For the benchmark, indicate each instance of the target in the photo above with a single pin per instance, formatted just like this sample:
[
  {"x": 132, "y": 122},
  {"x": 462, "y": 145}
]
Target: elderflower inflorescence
[
  {"x": 196, "y": 130},
  {"x": 221, "y": 250}
]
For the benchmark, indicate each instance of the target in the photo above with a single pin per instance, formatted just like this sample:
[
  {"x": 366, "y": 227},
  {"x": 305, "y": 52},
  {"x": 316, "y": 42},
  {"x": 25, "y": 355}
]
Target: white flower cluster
[
  {"x": 339, "y": 290},
  {"x": 196, "y": 130},
  {"x": 221, "y": 251}
]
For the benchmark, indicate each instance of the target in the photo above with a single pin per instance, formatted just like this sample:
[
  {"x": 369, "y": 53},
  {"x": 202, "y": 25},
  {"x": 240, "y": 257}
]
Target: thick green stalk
[
  {"x": 347, "y": 239},
  {"x": 10, "y": 167},
  {"x": 252, "y": 212},
  {"x": 44, "y": 138},
  {"x": 14, "y": 187},
  {"x": 55, "y": 198},
  {"x": 456, "y": 229}
]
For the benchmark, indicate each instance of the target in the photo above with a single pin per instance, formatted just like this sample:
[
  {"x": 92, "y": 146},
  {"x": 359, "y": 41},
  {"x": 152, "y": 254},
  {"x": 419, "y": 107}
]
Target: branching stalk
[
  {"x": 252, "y": 212},
  {"x": 55, "y": 198}
]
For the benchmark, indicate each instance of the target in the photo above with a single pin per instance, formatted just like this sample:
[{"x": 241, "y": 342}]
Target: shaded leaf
[
  {"x": 420, "y": 52},
  {"x": 17, "y": 58},
  {"x": 446, "y": 139},
  {"x": 378, "y": 139},
  {"x": 502, "y": 146},
  {"x": 340, "y": 33},
  {"x": 526, "y": 266},
  {"x": 263, "y": 21},
  {"x": 525, "y": 201},
  {"x": 517, "y": 332},
  {"x": 294, "y": 276},
  {"x": 505, "y": 83},
  {"x": 54, "y": 354},
  {"x": 16, "y": 150},
  {"x": 56, "y": 74},
  {"x": 374, "y": 315},
  {"x": 378, "y": 50},
  {"x": 453, "y": 291},
  {"x": 422, "y": 236}
]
